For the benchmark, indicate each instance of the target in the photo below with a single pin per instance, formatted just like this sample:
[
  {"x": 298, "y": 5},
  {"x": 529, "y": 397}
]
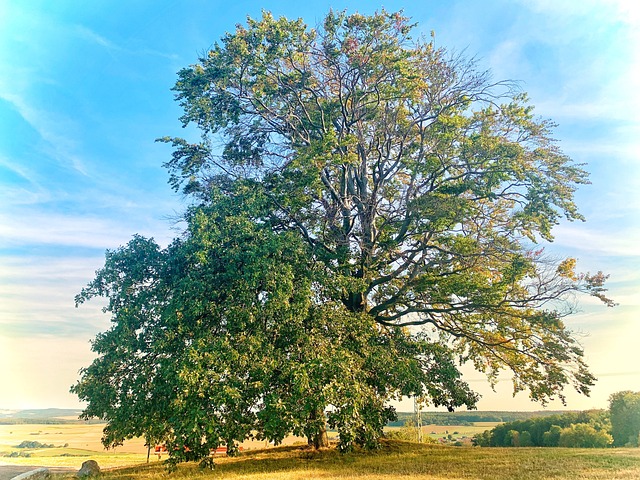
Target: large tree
[
  {"x": 398, "y": 196},
  {"x": 624, "y": 409}
]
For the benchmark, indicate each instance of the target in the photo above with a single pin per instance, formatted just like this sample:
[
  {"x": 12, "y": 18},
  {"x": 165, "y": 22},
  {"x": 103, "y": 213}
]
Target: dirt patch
[
  {"x": 7, "y": 472},
  {"x": 10, "y": 471}
]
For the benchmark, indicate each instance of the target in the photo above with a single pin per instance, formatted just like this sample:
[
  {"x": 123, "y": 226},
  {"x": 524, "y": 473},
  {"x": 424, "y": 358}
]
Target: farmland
[
  {"x": 396, "y": 459},
  {"x": 73, "y": 443}
]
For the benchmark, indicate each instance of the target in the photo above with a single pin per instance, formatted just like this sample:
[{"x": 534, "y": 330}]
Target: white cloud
[
  {"x": 623, "y": 243},
  {"x": 625, "y": 11},
  {"x": 55, "y": 229},
  {"x": 591, "y": 60},
  {"x": 42, "y": 228},
  {"x": 14, "y": 194}
]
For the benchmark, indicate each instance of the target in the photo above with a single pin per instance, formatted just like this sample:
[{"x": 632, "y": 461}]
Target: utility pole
[{"x": 417, "y": 410}]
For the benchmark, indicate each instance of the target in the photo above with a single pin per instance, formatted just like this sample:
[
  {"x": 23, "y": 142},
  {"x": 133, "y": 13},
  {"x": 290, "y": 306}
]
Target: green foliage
[
  {"x": 409, "y": 433},
  {"x": 624, "y": 409},
  {"x": 551, "y": 438},
  {"x": 573, "y": 429},
  {"x": 512, "y": 438},
  {"x": 18, "y": 454},
  {"x": 34, "y": 444},
  {"x": 581, "y": 435},
  {"x": 350, "y": 182},
  {"x": 470, "y": 417}
]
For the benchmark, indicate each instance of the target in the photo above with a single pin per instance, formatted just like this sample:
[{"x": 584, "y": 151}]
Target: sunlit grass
[
  {"x": 73, "y": 459},
  {"x": 396, "y": 460},
  {"x": 406, "y": 460},
  {"x": 82, "y": 443}
]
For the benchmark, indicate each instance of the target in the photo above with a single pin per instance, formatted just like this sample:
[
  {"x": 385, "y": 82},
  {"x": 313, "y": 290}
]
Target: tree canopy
[
  {"x": 624, "y": 409},
  {"x": 588, "y": 429},
  {"x": 366, "y": 215}
]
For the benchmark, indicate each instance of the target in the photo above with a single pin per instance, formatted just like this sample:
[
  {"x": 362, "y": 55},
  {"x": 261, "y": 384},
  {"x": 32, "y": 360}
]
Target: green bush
[
  {"x": 547, "y": 431},
  {"x": 409, "y": 433},
  {"x": 581, "y": 435},
  {"x": 34, "y": 444}
]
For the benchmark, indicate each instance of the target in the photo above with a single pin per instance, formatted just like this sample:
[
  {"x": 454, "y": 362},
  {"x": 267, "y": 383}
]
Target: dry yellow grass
[
  {"x": 399, "y": 460},
  {"x": 82, "y": 440},
  {"x": 395, "y": 460}
]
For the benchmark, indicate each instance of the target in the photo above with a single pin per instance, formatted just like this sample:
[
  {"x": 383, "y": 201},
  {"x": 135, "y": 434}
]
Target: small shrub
[
  {"x": 34, "y": 444},
  {"x": 409, "y": 432}
]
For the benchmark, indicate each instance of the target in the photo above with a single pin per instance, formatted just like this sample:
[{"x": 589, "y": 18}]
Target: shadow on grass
[{"x": 397, "y": 459}]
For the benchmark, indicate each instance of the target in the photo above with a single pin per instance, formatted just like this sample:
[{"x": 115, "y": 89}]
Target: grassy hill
[
  {"x": 472, "y": 416},
  {"x": 406, "y": 460},
  {"x": 40, "y": 413},
  {"x": 45, "y": 416},
  {"x": 61, "y": 415},
  {"x": 75, "y": 443}
]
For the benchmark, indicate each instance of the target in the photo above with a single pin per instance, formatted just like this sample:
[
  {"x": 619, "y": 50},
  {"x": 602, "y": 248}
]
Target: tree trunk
[{"x": 320, "y": 439}]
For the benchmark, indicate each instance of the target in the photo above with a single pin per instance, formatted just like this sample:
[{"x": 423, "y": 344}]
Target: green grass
[{"x": 406, "y": 460}]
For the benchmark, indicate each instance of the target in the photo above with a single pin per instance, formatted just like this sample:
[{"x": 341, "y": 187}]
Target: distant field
[
  {"x": 83, "y": 442},
  {"x": 436, "y": 431}
]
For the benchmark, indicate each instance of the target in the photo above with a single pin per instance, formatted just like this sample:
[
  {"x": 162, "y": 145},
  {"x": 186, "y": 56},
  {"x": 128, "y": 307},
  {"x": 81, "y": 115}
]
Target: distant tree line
[
  {"x": 468, "y": 418},
  {"x": 47, "y": 421},
  {"x": 619, "y": 426},
  {"x": 35, "y": 444},
  {"x": 573, "y": 429}
]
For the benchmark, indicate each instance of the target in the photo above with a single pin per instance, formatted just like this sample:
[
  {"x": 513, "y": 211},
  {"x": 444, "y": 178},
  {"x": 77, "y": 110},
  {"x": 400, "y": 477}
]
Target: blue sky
[{"x": 85, "y": 91}]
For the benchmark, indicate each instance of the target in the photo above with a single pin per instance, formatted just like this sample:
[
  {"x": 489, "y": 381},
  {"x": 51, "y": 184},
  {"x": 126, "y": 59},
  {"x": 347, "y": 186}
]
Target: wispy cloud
[
  {"x": 18, "y": 169},
  {"x": 590, "y": 47},
  {"x": 37, "y": 297},
  {"x": 625, "y": 11},
  {"x": 96, "y": 38},
  {"x": 32, "y": 192},
  {"x": 50, "y": 127},
  {"x": 622, "y": 244},
  {"x": 40, "y": 228}
]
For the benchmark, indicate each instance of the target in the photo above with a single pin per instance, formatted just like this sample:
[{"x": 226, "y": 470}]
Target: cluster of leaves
[
  {"x": 471, "y": 417},
  {"x": 17, "y": 454},
  {"x": 619, "y": 426},
  {"x": 589, "y": 429}
]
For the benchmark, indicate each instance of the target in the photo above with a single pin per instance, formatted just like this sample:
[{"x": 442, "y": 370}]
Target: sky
[{"x": 85, "y": 91}]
